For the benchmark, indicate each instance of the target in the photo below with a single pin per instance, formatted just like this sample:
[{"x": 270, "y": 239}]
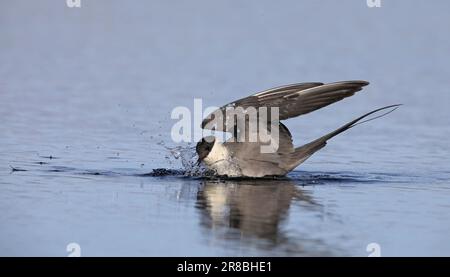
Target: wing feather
[{"x": 293, "y": 100}]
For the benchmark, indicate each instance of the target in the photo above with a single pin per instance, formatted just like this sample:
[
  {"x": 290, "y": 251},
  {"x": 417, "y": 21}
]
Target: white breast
[{"x": 220, "y": 160}]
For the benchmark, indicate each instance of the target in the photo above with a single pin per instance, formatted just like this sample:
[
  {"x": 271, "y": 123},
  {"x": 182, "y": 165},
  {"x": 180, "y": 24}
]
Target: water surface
[{"x": 85, "y": 102}]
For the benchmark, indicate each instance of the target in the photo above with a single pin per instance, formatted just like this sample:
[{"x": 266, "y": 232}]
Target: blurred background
[{"x": 85, "y": 101}]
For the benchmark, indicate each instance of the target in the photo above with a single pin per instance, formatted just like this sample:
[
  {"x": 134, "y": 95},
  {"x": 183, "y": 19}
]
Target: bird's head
[{"x": 204, "y": 146}]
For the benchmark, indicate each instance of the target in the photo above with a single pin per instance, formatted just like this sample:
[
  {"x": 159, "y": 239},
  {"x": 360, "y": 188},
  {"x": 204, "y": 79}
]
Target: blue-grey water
[{"x": 85, "y": 101}]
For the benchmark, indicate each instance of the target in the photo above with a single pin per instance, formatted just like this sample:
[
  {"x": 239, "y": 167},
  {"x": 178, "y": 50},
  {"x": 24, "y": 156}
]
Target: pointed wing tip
[
  {"x": 361, "y": 83},
  {"x": 364, "y": 83}
]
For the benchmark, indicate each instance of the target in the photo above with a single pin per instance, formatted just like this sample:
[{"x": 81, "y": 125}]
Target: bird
[{"x": 237, "y": 157}]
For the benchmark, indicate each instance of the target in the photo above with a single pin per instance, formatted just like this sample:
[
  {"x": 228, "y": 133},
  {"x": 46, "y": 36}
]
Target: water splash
[{"x": 188, "y": 157}]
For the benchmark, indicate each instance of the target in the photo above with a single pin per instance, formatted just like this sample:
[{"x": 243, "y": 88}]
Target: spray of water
[{"x": 188, "y": 158}]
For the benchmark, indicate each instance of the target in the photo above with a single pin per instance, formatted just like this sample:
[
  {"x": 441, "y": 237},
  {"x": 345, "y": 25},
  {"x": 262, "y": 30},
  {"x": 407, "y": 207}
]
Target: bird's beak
[{"x": 199, "y": 161}]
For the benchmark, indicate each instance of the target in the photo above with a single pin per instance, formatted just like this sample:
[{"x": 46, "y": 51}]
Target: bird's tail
[{"x": 302, "y": 153}]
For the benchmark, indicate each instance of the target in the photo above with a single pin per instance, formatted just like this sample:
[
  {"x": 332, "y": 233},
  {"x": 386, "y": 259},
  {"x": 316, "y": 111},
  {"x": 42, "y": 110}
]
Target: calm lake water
[{"x": 85, "y": 101}]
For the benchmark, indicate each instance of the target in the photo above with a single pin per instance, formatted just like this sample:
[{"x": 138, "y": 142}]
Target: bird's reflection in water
[{"x": 249, "y": 210}]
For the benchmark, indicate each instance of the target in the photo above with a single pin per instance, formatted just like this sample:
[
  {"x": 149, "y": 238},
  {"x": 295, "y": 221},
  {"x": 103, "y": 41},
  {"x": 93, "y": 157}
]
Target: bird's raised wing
[{"x": 292, "y": 100}]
